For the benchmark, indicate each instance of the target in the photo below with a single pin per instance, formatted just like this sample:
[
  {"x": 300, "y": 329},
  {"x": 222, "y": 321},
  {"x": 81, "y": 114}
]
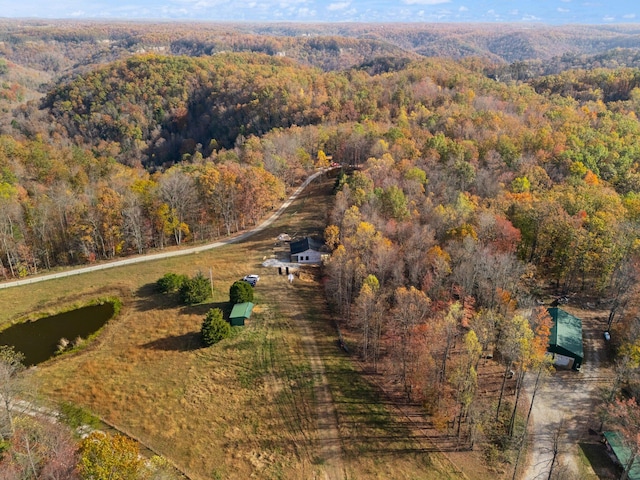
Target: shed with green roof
[
  {"x": 629, "y": 460},
  {"x": 565, "y": 341},
  {"x": 240, "y": 313}
]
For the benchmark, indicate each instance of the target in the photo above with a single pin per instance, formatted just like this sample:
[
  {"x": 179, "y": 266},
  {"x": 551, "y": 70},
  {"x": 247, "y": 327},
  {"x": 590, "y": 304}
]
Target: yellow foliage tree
[
  {"x": 110, "y": 457},
  {"x": 322, "y": 160}
]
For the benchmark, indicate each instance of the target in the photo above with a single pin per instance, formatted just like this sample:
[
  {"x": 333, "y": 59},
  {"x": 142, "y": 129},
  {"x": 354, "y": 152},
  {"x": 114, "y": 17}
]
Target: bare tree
[
  {"x": 623, "y": 280},
  {"x": 512, "y": 345},
  {"x": 10, "y": 386},
  {"x": 411, "y": 308},
  {"x": 61, "y": 453},
  {"x": 624, "y": 367},
  {"x": 178, "y": 190},
  {"x": 9, "y": 223},
  {"x": 626, "y": 414},
  {"x": 364, "y": 312},
  {"x": 556, "y": 448},
  {"x": 134, "y": 222},
  {"x": 41, "y": 449}
]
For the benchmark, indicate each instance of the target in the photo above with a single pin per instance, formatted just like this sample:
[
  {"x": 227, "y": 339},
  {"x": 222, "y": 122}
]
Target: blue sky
[{"x": 532, "y": 11}]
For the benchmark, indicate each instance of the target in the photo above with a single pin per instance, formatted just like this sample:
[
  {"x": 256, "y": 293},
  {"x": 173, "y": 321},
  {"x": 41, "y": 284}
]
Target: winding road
[{"x": 173, "y": 253}]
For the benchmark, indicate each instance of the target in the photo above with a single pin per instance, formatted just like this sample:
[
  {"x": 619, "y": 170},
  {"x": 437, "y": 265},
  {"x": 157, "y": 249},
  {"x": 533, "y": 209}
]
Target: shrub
[
  {"x": 195, "y": 290},
  {"x": 171, "y": 283},
  {"x": 76, "y": 416},
  {"x": 241, "y": 292},
  {"x": 159, "y": 468},
  {"x": 214, "y": 327}
]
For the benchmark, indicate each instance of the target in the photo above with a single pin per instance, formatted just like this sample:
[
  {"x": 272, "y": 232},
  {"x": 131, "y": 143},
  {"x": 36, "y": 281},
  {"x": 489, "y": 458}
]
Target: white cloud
[
  {"x": 608, "y": 18},
  {"x": 290, "y": 3},
  {"x": 463, "y": 9},
  {"x": 338, "y": 6},
  {"x": 563, "y": 10},
  {"x": 424, "y": 2},
  {"x": 629, "y": 16},
  {"x": 199, "y": 3},
  {"x": 306, "y": 12}
]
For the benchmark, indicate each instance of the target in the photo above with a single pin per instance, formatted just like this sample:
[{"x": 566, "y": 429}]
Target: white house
[{"x": 306, "y": 250}]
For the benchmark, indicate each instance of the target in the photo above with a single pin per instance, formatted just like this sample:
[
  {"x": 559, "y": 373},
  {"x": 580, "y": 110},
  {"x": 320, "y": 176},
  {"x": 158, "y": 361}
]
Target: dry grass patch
[
  {"x": 377, "y": 441},
  {"x": 211, "y": 410}
]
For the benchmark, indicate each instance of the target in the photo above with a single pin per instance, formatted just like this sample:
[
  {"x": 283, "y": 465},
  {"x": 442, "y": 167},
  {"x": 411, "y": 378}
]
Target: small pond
[{"x": 39, "y": 340}]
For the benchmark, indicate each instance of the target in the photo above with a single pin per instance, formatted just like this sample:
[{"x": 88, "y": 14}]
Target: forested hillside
[
  {"x": 569, "y": 142},
  {"x": 60, "y": 47},
  {"x": 469, "y": 194},
  {"x": 159, "y": 108}
]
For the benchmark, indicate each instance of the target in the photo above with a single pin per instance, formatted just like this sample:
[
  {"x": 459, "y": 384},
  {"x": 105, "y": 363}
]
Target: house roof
[
  {"x": 566, "y": 332},
  {"x": 623, "y": 454},
  {"x": 241, "y": 310},
  {"x": 305, "y": 244}
]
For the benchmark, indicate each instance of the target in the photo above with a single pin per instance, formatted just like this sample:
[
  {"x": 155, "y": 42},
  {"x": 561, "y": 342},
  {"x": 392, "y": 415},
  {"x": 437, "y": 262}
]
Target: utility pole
[{"x": 211, "y": 279}]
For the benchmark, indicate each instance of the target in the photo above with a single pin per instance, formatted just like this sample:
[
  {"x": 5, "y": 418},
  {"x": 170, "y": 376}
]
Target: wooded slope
[{"x": 474, "y": 187}]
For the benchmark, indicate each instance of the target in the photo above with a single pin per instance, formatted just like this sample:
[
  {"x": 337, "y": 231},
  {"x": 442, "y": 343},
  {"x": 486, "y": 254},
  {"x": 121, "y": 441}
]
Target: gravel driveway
[
  {"x": 172, "y": 253},
  {"x": 566, "y": 405}
]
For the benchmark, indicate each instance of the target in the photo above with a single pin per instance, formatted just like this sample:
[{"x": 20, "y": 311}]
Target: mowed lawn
[{"x": 245, "y": 407}]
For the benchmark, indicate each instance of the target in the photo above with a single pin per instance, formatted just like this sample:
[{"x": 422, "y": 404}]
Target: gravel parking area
[{"x": 565, "y": 406}]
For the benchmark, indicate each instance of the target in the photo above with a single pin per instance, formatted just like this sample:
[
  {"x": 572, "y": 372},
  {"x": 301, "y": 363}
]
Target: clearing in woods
[{"x": 277, "y": 400}]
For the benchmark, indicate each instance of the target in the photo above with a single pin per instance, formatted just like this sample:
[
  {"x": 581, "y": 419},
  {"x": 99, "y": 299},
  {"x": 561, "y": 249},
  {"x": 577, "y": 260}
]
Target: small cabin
[
  {"x": 306, "y": 250},
  {"x": 565, "y": 341}
]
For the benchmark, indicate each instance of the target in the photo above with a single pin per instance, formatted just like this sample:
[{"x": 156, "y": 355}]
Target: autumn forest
[{"x": 480, "y": 171}]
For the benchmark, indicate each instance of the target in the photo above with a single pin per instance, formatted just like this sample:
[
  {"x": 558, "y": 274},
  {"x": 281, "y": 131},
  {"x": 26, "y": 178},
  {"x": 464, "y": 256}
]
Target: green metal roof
[
  {"x": 241, "y": 310},
  {"x": 623, "y": 453},
  {"x": 566, "y": 332}
]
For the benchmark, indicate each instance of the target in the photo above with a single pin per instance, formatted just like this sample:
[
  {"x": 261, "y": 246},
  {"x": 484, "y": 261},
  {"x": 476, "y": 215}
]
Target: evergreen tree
[
  {"x": 241, "y": 292},
  {"x": 171, "y": 283},
  {"x": 214, "y": 327},
  {"x": 195, "y": 290}
]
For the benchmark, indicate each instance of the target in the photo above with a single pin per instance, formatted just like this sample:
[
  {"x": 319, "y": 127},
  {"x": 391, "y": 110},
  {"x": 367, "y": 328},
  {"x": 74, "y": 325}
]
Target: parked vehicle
[{"x": 251, "y": 279}]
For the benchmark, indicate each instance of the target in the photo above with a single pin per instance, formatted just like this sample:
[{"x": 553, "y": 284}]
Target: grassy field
[{"x": 245, "y": 407}]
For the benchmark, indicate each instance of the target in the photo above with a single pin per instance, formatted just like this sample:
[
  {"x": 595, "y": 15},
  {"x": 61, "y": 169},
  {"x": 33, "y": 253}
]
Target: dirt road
[
  {"x": 328, "y": 433},
  {"x": 294, "y": 301},
  {"x": 565, "y": 405}
]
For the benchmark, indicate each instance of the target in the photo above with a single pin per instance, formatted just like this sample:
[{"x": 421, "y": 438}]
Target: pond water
[{"x": 39, "y": 340}]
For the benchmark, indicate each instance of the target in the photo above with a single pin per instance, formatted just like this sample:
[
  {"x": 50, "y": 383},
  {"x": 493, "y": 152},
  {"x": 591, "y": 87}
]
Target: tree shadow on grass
[
  {"x": 602, "y": 464},
  {"x": 202, "y": 309},
  {"x": 177, "y": 343},
  {"x": 148, "y": 298}
]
